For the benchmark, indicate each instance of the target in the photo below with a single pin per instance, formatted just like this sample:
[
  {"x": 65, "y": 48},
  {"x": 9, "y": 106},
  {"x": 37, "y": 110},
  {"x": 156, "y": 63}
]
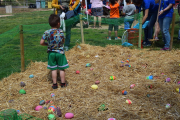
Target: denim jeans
[
  {"x": 148, "y": 31},
  {"x": 128, "y": 23},
  {"x": 164, "y": 24}
]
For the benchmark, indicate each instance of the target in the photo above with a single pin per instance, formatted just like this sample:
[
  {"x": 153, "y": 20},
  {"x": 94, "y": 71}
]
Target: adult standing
[
  {"x": 151, "y": 10},
  {"x": 60, "y": 5},
  {"x": 97, "y": 11},
  {"x": 165, "y": 18}
]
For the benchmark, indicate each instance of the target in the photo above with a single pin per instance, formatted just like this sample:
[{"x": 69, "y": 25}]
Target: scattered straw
[{"x": 85, "y": 101}]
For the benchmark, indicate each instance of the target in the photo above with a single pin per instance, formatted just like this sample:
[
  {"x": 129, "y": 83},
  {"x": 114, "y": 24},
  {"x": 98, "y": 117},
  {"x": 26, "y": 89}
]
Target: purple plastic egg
[{"x": 168, "y": 79}]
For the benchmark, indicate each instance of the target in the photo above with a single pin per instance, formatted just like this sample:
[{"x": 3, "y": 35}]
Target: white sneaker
[
  {"x": 117, "y": 38},
  {"x": 108, "y": 38}
]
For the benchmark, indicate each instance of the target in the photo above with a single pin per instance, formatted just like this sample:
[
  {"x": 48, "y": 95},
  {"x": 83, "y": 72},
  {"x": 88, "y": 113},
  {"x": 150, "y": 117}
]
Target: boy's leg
[
  {"x": 54, "y": 76},
  {"x": 116, "y": 33},
  {"x": 62, "y": 75}
]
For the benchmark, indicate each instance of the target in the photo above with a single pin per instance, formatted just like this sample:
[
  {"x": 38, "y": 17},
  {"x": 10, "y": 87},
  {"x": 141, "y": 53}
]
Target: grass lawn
[{"x": 34, "y": 24}]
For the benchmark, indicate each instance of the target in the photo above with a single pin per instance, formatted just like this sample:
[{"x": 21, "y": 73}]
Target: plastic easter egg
[
  {"x": 132, "y": 86},
  {"x": 69, "y": 115},
  {"x": 111, "y": 118},
  {"x": 124, "y": 92},
  {"x": 126, "y": 64},
  {"x": 88, "y": 65},
  {"x": 31, "y": 76},
  {"x": 18, "y": 111},
  {"x": 168, "y": 80},
  {"x": 42, "y": 102},
  {"x": 22, "y": 91},
  {"x": 112, "y": 78},
  {"x": 148, "y": 95},
  {"x": 38, "y": 108},
  {"x": 22, "y": 84},
  {"x": 52, "y": 108},
  {"x": 150, "y": 86},
  {"x": 129, "y": 65},
  {"x": 97, "y": 82},
  {"x": 121, "y": 65},
  {"x": 51, "y": 117},
  {"x": 179, "y": 83},
  {"x": 178, "y": 90},
  {"x": 52, "y": 95},
  {"x": 77, "y": 72},
  {"x": 91, "y": 68},
  {"x": 94, "y": 87},
  {"x": 122, "y": 61},
  {"x": 150, "y": 77},
  {"x": 58, "y": 112},
  {"x": 45, "y": 108},
  {"x": 128, "y": 101},
  {"x": 168, "y": 105},
  {"x": 127, "y": 60},
  {"x": 10, "y": 101}
]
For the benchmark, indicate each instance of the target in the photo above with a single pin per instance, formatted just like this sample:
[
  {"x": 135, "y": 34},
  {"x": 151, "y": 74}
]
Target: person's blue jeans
[
  {"x": 164, "y": 24},
  {"x": 128, "y": 23},
  {"x": 148, "y": 31}
]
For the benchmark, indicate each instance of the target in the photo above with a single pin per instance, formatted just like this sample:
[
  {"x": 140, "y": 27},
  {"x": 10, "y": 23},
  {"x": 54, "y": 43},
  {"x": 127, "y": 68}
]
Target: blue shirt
[
  {"x": 164, "y": 4},
  {"x": 55, "y": 40},
  {"x": 149, "y": 4}
]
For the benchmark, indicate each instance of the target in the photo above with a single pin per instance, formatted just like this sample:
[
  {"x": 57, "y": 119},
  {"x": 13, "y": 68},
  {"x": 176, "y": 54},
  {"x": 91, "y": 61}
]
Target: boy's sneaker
[
  {"x": 66, "y": 48},
  {"x": 165, "y": 49},
  {"x": 108, "y": 38},
  {"x": 63, "y": 85},
  {"x": 55, "y": 86},
  {"x": 117, "y": 38}
]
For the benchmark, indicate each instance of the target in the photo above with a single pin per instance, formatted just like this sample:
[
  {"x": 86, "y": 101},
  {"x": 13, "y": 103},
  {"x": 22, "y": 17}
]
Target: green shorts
[
  {"x": 111, "y": 27},
  {"x": 57, "y": 61}
]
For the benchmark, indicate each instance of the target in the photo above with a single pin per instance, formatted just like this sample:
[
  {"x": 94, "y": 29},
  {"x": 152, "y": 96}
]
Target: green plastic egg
[
  {"x": 22, "y": 91},
  {"x": 51, "y": 117}
]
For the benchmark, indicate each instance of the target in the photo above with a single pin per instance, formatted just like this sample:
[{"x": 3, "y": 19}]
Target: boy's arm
[
  {"x": 75, "y": 5},
  {"x": 43, "y": 43}
]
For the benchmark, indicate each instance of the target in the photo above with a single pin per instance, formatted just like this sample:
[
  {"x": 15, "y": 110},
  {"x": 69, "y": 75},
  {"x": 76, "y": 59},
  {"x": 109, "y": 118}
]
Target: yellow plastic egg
[{"x": 94, "y": 87}]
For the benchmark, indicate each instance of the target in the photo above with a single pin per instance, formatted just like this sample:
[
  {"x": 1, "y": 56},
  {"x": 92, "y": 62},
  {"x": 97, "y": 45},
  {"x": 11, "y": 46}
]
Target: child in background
[
  {"x": 128, "y": 11},
  {"x": 114, "y": 14},
  {"x": 56, "y": 57}
]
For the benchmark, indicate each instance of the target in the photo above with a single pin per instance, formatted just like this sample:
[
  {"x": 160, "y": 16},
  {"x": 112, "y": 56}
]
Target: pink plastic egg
[
  {"x": 97, "y": 82},
  {"x": 69, "y": 115},
  {"x": 38, "y": 108},
  {"x": 132, "y": 86}
]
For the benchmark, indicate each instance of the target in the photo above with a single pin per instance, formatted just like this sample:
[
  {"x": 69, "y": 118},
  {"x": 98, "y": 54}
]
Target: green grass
[{"x": 34, "y": 24}]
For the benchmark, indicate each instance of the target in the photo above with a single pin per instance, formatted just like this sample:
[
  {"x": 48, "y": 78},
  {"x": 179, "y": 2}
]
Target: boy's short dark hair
[
  {"x": 128, "y": 1},
  {"x": 112, "y": 1},
  {"x": 137, "y": 2},
  {"x": 54, "y": 20}
]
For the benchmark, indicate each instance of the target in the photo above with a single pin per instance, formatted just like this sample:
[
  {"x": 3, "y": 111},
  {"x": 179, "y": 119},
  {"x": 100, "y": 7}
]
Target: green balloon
[
  {"x": 22, "y": 91},
  {"x": 51, "y": 117}
]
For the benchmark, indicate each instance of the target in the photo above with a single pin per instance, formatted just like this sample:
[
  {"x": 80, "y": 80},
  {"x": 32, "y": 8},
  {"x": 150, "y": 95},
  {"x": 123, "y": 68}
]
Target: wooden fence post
[
  {"x": 22, "y": 48},
  {"x": 81, "y": 25},
  {"x": 172, "y": 32},
  {"x": 140, "y": 30}
]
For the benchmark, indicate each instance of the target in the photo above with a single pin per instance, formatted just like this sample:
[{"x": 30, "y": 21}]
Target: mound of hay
[{"x": 79, "y": 98}]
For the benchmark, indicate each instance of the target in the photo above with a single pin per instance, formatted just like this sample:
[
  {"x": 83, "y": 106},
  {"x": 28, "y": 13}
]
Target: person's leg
[
  {"x": 161, "y": 28},
  {"x": 166, "y": 25},
  {"x": 62, "y": 75},
  {"x": 109, "y": 31},
  {"x": 126, "y": 24},
  {"x": 54, "y": 76},
  {"x": 99, "y": 20},
  {"x": 146, "y": 30},
  {"x": 68, "y": 37},
  {"x": 151, "y": 25},
  {"x": 116, "y": 32},
  {"x": 130, "y": 22},
  {"x": 95, "y": 21}
]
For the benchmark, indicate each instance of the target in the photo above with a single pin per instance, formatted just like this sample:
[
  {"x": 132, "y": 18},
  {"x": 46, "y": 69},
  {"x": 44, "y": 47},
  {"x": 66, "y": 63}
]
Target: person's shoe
[
  {"x": 66, "y": 48},
  {"x": 166, "y": 48},
  {"x": 108, "y": 38},
  {"x": 63, "y": 85},
  {"x": 55, "y": 86},
  {"x": 144, "y": 43},
  {"x": 117, "y": 38}
]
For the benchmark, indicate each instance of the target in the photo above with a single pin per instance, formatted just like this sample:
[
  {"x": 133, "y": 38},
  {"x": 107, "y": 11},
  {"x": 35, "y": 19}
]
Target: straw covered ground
[{"x": 83, "y": 101}]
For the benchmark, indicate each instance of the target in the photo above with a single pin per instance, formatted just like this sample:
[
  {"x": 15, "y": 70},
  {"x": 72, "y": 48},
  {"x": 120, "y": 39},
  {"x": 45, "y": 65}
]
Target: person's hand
[
  {"x": 61, "y": 7},
  {"x": 161, "y": 12}
]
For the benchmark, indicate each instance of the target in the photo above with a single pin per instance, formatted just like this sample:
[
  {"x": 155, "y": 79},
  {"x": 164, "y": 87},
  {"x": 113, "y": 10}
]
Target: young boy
[
  {"x": 114, "y": 14},
  {"x": 128, "y": 11},
  {"x": 56, "y": 56}
]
